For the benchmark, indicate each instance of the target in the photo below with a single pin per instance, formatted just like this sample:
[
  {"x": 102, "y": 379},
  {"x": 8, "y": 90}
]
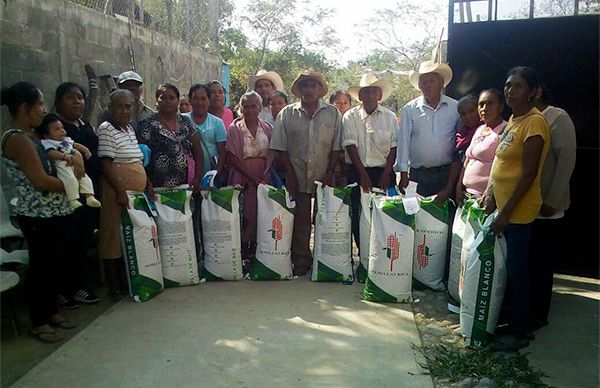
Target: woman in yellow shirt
[{"x": 515, "y": 192}]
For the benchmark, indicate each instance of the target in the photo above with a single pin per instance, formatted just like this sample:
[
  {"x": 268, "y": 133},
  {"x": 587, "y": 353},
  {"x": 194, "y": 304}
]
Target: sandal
[
  {"x": 62, "y": 322},
  {"x": 45, "y": 334}
]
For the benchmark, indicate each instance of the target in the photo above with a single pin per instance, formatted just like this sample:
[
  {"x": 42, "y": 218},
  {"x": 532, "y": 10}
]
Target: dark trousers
[
  {"x": 517, "y": 276},
  {"x": 374, "y": 174},
  {"x": 430, "y": 181},
  {"x": 301, "y": 255},
  {"x": 83, "y": 222},
  {"x": 49, "y": 246},
  {"x": 543, "y": 253}
]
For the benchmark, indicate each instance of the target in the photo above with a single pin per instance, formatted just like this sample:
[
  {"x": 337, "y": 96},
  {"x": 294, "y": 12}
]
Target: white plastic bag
[
  {"x": 332, "y": 258},
  {"x": 458, "y": 232},
  {"x": 274, "y": 227},
  {"x": 139, "y": 239},
  {"x": 365, "y": 232},
  {"x": 431, "y": 241},
  {"x": 474, "y": 224},
  {"x": 176, "y": 237},
  {"x": 221, "y": 234},
  {"x": 484, "y": 286},
  {"x": 391, "y": 252}
]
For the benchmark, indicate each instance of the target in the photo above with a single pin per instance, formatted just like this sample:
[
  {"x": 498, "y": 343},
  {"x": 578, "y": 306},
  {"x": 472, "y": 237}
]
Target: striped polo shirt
[{"x": 117, "y": 144}]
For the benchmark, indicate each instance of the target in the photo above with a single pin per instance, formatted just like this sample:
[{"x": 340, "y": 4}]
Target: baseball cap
[{"x": 129, "y": 76}]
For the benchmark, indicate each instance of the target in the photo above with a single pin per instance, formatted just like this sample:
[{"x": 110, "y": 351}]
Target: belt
[{"x": 443, "y": 168}]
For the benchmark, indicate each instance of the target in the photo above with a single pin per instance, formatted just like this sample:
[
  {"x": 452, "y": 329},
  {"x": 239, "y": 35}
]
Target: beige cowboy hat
[
  {"x": 306, "y": 75},
  {"x": 263, "y": 74},
  {"x": 430, "y": 67},
  {"x": 371, "y": 80}
]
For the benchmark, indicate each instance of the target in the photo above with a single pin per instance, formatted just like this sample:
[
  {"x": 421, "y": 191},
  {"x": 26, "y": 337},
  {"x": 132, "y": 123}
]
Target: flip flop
[
  {"x": 46, "y": 336},
  {"x": 63, "y": 323}
]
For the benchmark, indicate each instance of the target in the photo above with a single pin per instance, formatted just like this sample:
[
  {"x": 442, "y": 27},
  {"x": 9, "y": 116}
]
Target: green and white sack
[
  {"x": 474, "y": 224},
  {"x": 365, "y": 232},
  {"x": 176, "y": 237},
  {"x": 332, "y": 258},
  {"x": 391, "y": 252},
  {"x": 458, "y": 232},
  {"x": 139, "y": 239},
  {"x": 221, "y": 234},
  {"x": 274, "y": 227},
  {"x": 431, "y": 241},
  {"x": 484, "y": 285}
]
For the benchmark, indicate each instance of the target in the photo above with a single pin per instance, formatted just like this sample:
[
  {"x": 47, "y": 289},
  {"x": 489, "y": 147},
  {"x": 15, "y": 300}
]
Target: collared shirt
[
  {"x": 374, "y": 135},
  {"x": 426, "y": 137},
  {"x": 308, "y": 141},
  {"x": 266, "y": 115}
]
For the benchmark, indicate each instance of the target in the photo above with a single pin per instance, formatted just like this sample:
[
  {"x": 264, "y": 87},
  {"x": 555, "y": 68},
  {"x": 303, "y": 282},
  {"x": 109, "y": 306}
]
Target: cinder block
[
  {"x": 50, "y": 42},
  {"x": 42, "y": 20}
]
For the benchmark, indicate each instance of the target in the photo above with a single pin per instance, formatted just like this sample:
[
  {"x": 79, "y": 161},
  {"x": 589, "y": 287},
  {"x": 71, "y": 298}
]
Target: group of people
[{"x": 451, "y": 149}]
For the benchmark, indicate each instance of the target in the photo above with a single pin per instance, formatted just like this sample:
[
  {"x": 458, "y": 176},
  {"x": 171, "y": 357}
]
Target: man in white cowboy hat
[
  {"x": 369, "y": 137},
  {"x": 265, "y": 83},
  {"x": 428, "y": 124},
  {"x": 133, "y": 82},
  {"x": 307, "y": 136}
]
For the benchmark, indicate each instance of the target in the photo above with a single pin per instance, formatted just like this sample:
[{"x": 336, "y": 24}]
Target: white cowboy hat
[
  {"x": 368, "y": 80},
  {"x": 430, "y": 67},
  {"x": 263, "y": 74},
  {"x": 309, "y": 74}
]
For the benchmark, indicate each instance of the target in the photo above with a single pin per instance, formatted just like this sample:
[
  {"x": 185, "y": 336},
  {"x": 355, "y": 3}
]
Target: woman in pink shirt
[{"x": 480, "y": 154}]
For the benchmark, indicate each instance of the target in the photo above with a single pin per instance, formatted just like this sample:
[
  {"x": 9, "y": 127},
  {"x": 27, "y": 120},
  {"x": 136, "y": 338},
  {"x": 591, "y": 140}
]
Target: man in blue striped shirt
[{"x": 426, "y": 137}]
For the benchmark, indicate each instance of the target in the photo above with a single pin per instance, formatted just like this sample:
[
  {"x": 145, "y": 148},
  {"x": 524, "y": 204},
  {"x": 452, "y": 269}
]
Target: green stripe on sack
[
  {"x": 326, "y": 274},
  {"x": 223, "y": 198},
  {"x": 262, "y": 272},
  {"x": 395, "y": 209},
  {"x": 361, "y": 273},
  {"x": 373, "y": 293},
  {"x": 438, "y": 212},
  {"x": 175, "y": 199},
  {"x": 479, "y": 334},
  {"x": 130, "y": 255},
  {"x": 209, "y": 276},
  {"x": 144, "y": 287},
  {"x": 278, "y": 195},
  {"x": 343, "y": 193},
  {"x": 170, "y": 283},
  {"x": 465, "y": 209},
  {"x": 476, "y": 216}
]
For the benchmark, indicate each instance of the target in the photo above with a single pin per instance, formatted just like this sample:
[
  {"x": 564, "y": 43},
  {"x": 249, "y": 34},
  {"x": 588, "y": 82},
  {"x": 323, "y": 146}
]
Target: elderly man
[
  {"x": 427, "y": 131},
  {"x": 307, "y": 136},
  {"x": 132, "y": 81},
  {"x": 369, "y": 138},
  {"x": 265, "y": 83}
]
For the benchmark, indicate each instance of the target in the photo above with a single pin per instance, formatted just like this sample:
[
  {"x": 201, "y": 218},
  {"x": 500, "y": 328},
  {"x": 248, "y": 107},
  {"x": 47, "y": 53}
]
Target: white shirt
[
  {"x": 374, "y": 135},
  {"x": 426, "y": 137}
]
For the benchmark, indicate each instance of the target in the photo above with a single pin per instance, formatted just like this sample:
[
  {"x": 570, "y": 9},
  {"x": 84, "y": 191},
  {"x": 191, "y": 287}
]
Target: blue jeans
[{"x": 517, "y": 276}]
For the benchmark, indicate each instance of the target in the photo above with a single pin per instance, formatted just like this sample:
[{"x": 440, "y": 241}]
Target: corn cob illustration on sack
[
  {"x": 139, "y": 239},
  {"x": 389, "y": 276},
  {"x": 431, "y": 240},
  {"x": 484, "y": 285},
  {"x": 176, "y": 236},
  {"x": 275, "y": 224},
  {"x": 332, "y": 261},
  {"x": 221, "y": 226}
]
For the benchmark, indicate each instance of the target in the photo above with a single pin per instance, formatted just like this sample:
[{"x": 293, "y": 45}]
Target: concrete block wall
[{"x": 49, "y": 41}]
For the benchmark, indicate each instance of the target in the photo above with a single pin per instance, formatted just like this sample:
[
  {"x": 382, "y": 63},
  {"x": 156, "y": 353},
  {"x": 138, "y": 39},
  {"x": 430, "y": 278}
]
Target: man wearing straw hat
[
  {"x": 428, "y": 124},
  {"x": 307, "y": 136},
  {"x": 369, "y": 138},
  {"x": 265, "y": 83}
]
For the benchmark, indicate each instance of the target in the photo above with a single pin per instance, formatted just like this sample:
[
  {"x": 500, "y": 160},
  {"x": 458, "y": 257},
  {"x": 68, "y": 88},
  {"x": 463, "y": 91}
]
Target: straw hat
[
  {"x": 371, "y": 80},
  {"x": 430, "y": 67},
  {"x": 306, "y": 75},
  {"x": 263, "y": 74}
]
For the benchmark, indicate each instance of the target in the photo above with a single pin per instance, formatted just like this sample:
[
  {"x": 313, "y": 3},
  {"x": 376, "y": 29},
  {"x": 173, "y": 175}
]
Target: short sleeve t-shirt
[
  {"x": 212, "y": 132},
  {"x": 507, "y": 168}
]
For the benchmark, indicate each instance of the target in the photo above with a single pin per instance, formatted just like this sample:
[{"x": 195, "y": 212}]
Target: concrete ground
[
  {"x": 567, "y": 349},
  {"x": 247, "y": 334}
]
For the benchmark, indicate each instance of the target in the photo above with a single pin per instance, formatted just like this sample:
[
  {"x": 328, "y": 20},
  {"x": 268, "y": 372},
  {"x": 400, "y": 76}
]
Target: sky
[{"x": 350, "y": 13}]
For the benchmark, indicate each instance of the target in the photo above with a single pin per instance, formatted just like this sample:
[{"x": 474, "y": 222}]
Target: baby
[{"x": 61, "y": 148}]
